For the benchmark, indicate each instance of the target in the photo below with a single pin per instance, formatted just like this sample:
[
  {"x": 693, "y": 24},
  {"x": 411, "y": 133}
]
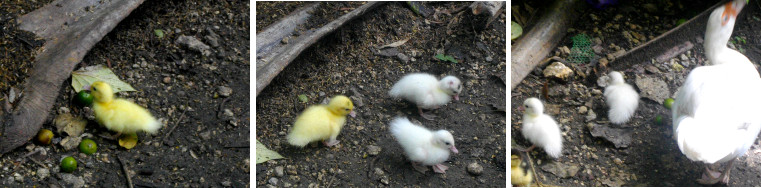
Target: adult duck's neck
[{"x": 715, "y": 45}]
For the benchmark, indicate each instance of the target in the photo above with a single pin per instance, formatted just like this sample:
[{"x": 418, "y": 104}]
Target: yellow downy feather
[
  {"x": 320, "y": 122},
  {"x": 120, "y": 115}
]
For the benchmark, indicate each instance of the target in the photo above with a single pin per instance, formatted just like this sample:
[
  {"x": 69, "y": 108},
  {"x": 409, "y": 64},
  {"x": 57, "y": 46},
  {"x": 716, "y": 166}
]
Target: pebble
[
  {"x": 225, "y": 91},
  {"x": 167, "y": 80},
  {"x": 373, "y": 150},
  {"x": 582, "y": 109},
  {"x": 591, "y": 116},
  {"x": 273, "y": 181},
  {"x": 226, "y": 183},
  {"x": 194, "y": 44},
  {"x": 205, "y": 135},
  {"x": 290, "y": 169},
  {"x": 279, "y": 171},
  {"x": 475, "y": 168},
  {"x": 228, "y": 113},
  {"x": 18, "y": 177},
  {"x": 558, "y": 70},
  {"x": 402, "y": 57},
  {"x": 43, "y": 173},
  {"x": 72, "y": 180}
]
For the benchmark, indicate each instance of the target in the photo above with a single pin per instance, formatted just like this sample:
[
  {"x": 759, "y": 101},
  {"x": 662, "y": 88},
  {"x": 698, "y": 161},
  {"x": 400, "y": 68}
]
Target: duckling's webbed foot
[
  {"x": 419, "y": 168},
  {"x": 426, "y": 116},
  {"x": 330, "y": 143},
  {"x": 440, "y": 168},
  {"x": 711, "y": 177}
]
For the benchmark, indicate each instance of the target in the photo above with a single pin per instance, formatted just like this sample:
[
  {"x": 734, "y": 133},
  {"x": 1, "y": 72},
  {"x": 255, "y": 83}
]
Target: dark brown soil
[
  {"x": 653, "y": 158},
  {"x": 179, "y": 86},
  {"x": 345, "y": 63}
]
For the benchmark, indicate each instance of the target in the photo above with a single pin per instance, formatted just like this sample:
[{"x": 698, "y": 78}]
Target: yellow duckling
[
  {"x": 120, "y": 115},
  {"x": 518, "y": 175},
  {"x": 321, "y": 122}
]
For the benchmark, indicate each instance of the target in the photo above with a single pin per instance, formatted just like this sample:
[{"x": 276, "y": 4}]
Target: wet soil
[{"x": 347, "y": 62}]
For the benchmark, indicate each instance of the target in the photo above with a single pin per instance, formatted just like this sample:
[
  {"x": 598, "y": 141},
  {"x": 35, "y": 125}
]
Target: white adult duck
[{"x": 716, "y": 115}]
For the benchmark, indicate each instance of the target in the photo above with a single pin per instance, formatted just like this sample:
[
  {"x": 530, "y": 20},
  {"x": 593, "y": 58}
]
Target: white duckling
[
  {"x": 426, "y": 91},
  {"x": 716, "y": 113},
  {"x": 621, "y": 98},
  {"x": 541, "y": 129},
  {"x": 423, "y": 146}
]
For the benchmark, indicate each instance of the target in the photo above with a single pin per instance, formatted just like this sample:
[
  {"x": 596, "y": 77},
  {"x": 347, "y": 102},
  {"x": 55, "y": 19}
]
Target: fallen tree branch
[
  {"x": 270, "y": 63},
  {"x": 534, "y": 46}
]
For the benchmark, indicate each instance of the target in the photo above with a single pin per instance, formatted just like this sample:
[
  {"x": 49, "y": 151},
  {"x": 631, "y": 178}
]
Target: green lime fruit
[
  {"x": 44, "y": 137},
  {"x": 68, "y": 164},
  {"x": 88, "y": 146},
  {"x": 668, "y": 102},
  {"x": 83, "y": 98}
]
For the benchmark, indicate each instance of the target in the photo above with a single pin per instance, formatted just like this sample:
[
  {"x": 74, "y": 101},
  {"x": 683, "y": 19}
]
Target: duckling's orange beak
[
  {"x": 521, "y": 108},
  {"x": 456, "y": 97},
  {"x": 454, "y": 149}
]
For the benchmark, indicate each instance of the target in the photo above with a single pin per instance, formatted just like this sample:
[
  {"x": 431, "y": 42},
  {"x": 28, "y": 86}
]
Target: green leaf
[
  {"x": 515, "y": 30},
  {"x": 87, "y": 75},
  {"x": 263, "y": 154},
  {"x": 159, "y": 33},
  {"x": 443, "y": 57},
  {"x": 303, "y": 98}
]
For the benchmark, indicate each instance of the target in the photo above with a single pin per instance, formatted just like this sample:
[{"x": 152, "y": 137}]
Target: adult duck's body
[{"x": 716, "y": 116}]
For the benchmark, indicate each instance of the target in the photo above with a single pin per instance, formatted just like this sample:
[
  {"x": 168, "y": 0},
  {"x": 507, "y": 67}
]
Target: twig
[
  {"x": 126, "y": 172},
  {"x": 246, "y": 146},
  {"x": 173, "y": 127},
  {"x": 221, "y": 105},
  {"x": 334, "y": 176},
  {"x": 38, "y": 162}
]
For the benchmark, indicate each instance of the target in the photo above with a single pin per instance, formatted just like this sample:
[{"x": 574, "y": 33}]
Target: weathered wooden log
[
  {"x": 70, "y": 33},
  {"x": 271, "y": 64},
  {"x": 544, "y": 36}
]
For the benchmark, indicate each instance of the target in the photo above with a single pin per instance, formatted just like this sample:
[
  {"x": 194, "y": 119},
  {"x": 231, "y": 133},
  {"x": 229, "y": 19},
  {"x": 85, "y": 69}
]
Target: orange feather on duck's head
[{"x": 731, "y": 9}]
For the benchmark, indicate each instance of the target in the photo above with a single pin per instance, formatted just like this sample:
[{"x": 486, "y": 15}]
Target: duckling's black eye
[
  {"x": 94, "y": 89},
  {"x": 525, "y": 106},
  {"x": 447, "y": 143},
  {"x": 726, "y": 18},
  {"x": 346, "y": 109}
]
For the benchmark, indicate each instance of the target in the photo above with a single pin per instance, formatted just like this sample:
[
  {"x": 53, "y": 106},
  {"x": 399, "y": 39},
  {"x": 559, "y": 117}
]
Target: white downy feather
[
  {"x": 425, "y": 90},
  {"x": 540, "y": 129},
  {"x": 420, "y": 144},
  {"x": 621, "y": 98}
]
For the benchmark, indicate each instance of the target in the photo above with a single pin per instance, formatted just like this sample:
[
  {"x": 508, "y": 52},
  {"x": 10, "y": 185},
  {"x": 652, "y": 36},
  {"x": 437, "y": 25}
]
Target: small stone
[
  {"x": 194, "y": 44},
  {"x": 279, "y": 171},
  {"x": 72, "y": 180},
  {"x": 475, "y": 168},
  {"x": 652, "y": 88},
  {"x": 12, "y": 95},
  {"x": 63, "y": 110},
  {"x": 489, "y": 58},
  {"x": 603, "y": 81},
  {"x": 618, "y": 161},
  {"x": 272, "y": 181},
  {"x": 167, "y": 80},
  {"x": 402, "y": 57},
  {"x": 43, "y": 173},
  {"x": 291, "y": 170},
  {"x": 558, "y": 70},
  {"x": 225, "y": 91},
  {"x": 591, "y": 116},
  {"x": 619, "y": 53},
  {"x": 565, "y": 51},
  {"x": 582, "y": 109},
  {"x": 373, "y": 150},
  {"x": 18, "y": 177},
  {"x": 228, "y": 113},
  {"x": 226, "y": 183},
  {"x": 205, "y": 135}
]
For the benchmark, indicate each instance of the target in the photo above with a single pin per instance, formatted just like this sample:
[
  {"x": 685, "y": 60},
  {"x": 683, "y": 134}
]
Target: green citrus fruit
[
  {"x": 83, "y": 98},
  {"x": 668, "y": 102},
  {"x": 88, "y": 146},
  {"x": 68, "y": 164},
  {"x": 44, "y": 137}
]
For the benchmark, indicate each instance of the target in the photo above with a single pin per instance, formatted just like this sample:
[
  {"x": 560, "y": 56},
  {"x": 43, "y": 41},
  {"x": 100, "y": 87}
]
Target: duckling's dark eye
[
  {"x": 726, "y": 18},
  {"x": 346, "y": 109},
  {"x": 525, "y": 106},
  {"x": 447, "y": 143},
  {"x": 94, "y": 89}
]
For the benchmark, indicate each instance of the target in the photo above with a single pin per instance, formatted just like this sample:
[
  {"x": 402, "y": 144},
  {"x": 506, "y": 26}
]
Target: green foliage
[
  {"x": 263, "y": 154},
  {"x": 443, "y": 57},
  {"x": 86, "y": 76}
]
